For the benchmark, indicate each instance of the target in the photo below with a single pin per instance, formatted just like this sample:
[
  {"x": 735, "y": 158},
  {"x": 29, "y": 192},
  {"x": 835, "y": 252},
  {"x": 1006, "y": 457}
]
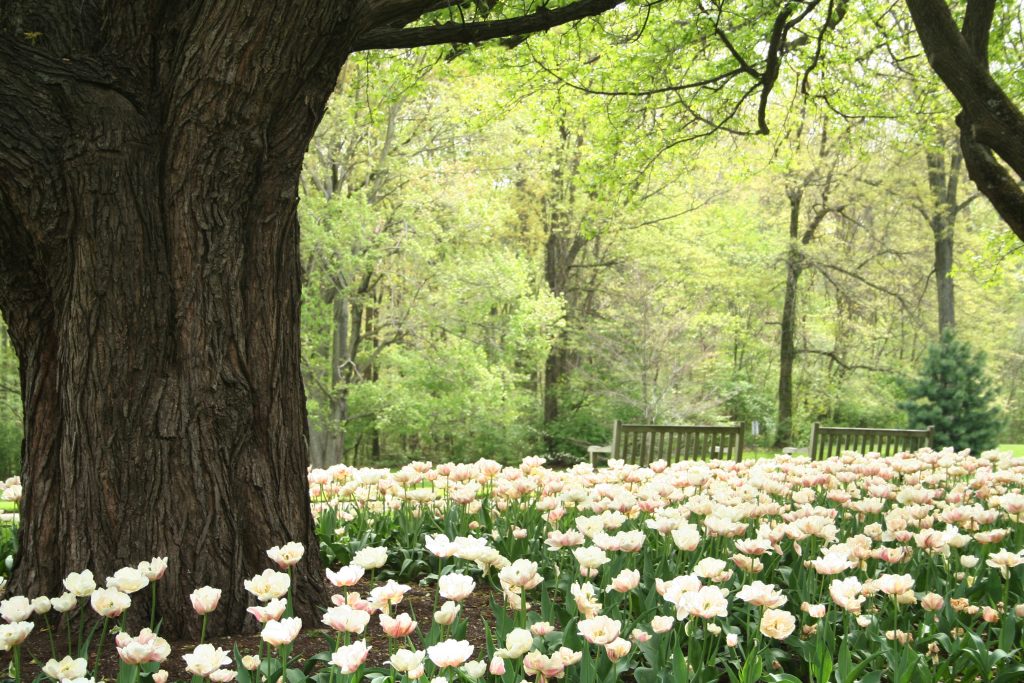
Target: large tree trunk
[{"x": 150, "y": 277}]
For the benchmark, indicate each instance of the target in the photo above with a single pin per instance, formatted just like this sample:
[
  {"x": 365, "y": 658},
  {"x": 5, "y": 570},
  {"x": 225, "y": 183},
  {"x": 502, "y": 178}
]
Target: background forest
[{"x": 506, "y": 250}]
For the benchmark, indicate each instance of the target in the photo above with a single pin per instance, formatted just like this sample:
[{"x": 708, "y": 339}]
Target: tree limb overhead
[{"x": 477, "y": 31}]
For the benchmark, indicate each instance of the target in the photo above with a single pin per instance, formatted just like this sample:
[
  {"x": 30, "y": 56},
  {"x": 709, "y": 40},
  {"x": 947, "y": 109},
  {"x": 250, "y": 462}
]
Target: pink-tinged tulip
[
  {"x": 127, "y": 580},
  {"x": 541, "y": 628},
  {"x": 707, "y": 603},
  {"x": 269, "y": 585},
  {"x": 346, "y": 619},
  {"x": 762, "y": 595},
  {"x": 599, "y": 630},
  {"x": 814, "y": 611},
  {"x": 110, "y": 602},
  {"x": 272, "y": 610},
  {"x": 205, "y": 599},
  {"x": 391, "y": 593},
  {"x": 353, "y": 600},
  {"x": 638, "y": 635},
  {"x": 894, "y": 584},
  {"x": 66, "y": 669},
  {"x": 145, "y": 647},
  {"x": 932, "y": 602},
  {"x": 347, "y": 576},
  {"x": 16, "y": 608},
  {"x": 450, "y": 653},
  {"x": 777, "y": 624},
  {"x": 205, "y": 659},
  {"x": 617, "y": 649},
  {"x": 14, "y": 634},
  {"x": 399, "y": 626},
  {"x": 447, "y": 614},
  {"x": 405, "y": 661},
  {"x": 662, "y": 624},
  {"x": 81, "y": 585},
  {"x": 732, "y": 640},
  {"x": 154, "y": 569},
  {"x": 456, "y": 587},
  {"x": 278, "y": 633},
  {"x": 348, "y": 658},
  {"x": 521, "y": 573},
  {"x": 537, "y": 664},
  {"x": 626, "y": 580},
  {"x": 223, "y": 676},
  {"x": 161, "y": 676},
  {"x": 287, "y": 555},
  {"x": 497, "y": 666}
]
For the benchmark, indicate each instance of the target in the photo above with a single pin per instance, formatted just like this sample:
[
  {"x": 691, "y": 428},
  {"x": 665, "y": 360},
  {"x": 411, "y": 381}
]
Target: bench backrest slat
[
  {"x": 827, "y": 442},
  {"x": 643, "y": 444}
]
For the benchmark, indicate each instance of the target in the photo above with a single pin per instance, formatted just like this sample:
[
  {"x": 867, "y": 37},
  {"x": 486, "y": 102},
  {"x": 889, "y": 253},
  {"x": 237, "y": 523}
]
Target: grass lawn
[{"x": 755, "y": 454}]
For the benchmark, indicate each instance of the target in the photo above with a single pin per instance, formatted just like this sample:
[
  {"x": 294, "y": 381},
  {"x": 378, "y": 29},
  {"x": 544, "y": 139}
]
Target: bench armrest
[{"x": 594, "y": 451}]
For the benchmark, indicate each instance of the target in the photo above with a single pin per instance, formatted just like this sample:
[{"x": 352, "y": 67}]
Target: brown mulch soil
[{"x": 419, "y": 601}]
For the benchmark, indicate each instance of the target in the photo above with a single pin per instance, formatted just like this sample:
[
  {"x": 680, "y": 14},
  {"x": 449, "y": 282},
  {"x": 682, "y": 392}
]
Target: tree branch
[
  {"x": 843, "y": 364},
  {"x": 477, "y": 31},
  {"x": 991, "y": 125}
]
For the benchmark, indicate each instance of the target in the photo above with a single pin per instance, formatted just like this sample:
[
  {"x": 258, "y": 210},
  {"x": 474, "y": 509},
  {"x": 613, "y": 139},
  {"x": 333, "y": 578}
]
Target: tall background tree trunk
[
  {"x": 943, "y": 184},
  {"x": 787, "y": 334}
]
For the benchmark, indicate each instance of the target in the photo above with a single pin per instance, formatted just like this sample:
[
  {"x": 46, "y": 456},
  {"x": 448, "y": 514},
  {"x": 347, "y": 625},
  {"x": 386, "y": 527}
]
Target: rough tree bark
[
  {"x": 149, "y": 275},
  {"x": 152, "y": 285},
  {"x": 991, "y": 124}
]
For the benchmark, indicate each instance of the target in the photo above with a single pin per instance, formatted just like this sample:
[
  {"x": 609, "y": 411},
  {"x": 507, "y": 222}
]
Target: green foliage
[
  {"x": 954, "y": 394},
  {"x": 10, "y": 409},
  {"x": 447, "y": 399},
  {"x": 10, "y": 448}
]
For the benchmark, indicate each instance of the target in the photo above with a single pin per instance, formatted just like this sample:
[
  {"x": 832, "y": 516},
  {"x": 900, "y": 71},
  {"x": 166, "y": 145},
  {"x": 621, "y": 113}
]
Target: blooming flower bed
[{"x": 858, "y": 568}]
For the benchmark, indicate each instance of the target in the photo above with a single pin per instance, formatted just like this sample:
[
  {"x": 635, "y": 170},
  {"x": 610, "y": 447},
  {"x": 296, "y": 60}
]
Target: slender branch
[
  {"x": 477, "y": 31},
  {"x": 843, "y": 364}
]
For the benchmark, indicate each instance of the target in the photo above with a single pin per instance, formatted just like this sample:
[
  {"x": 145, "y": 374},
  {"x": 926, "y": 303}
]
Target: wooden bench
[
  {"x": 639, "y": 444},
  {"x": 829, "y": 441}
]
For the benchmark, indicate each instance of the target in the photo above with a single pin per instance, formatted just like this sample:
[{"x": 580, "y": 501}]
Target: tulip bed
[{"x": 859, "y": 568}]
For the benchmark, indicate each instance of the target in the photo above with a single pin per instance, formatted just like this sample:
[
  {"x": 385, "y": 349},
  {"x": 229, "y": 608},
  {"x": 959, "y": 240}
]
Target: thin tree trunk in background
[
  {"x": 562, "y": 248},
  {"x": 787, "y": 335},
  {"x": 943, "y": 183},
  {"x": 335, "y": 451}
]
